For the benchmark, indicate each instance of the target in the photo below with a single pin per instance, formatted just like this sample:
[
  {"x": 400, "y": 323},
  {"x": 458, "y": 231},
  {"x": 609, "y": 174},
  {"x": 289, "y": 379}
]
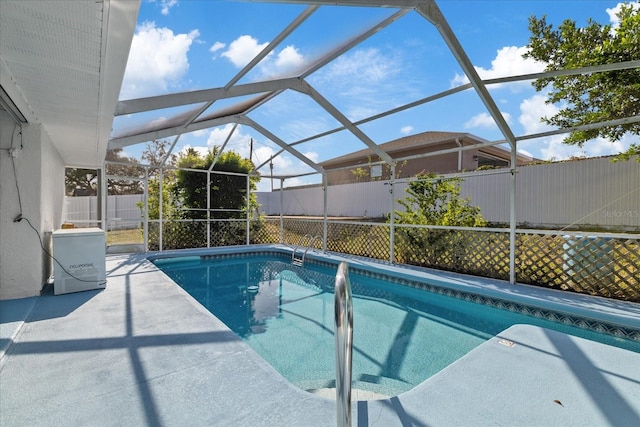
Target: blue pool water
[{"x": 402, "y": 335}]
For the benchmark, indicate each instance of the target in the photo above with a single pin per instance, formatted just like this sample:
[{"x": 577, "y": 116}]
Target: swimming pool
[{"x": 405, "y": 329}]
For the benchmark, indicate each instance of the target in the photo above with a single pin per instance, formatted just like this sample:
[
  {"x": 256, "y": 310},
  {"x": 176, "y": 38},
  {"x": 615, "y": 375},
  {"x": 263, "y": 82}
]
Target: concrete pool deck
[{"x": 143, "y": 352}]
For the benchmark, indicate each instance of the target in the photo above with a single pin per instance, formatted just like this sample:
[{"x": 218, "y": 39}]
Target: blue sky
[{"x": 184, "y": 45}]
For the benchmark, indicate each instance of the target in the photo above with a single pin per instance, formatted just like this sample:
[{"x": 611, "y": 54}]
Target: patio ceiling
[{"x": 61, "y": 65}]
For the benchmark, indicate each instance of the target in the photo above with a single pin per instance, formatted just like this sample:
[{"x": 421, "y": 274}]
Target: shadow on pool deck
[{"x": 143, "y": 352}]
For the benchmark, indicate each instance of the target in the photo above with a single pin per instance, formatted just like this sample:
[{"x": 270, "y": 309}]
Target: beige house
[{"x": 411, "y": 152}]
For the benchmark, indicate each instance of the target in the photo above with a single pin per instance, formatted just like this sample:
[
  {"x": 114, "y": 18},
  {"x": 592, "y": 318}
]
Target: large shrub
[{"x": 434, "y": 200}]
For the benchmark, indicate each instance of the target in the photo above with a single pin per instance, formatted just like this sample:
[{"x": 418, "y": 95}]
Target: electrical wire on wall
[{"x": 13, "y": 154}]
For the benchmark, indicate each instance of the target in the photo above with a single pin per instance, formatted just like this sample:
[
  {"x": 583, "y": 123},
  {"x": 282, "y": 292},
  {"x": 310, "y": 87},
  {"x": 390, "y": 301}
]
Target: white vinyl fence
[
  {"x": 590, "y": 192},
  {"x": 123, "y": 211}
]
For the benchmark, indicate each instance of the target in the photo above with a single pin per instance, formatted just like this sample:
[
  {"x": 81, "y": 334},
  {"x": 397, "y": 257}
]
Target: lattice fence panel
[
  {"x": 178, "y": 235},
  {"x": 153, "y": 235},
  {"x": 265, "y": 231},
  {"x": 603, "y": 266},
  {"x": 227, "y": 233},
  {"x": 295, "y": 230},
  {"x": 473, "y": 252},
  {"x": 370, "y": 241}
]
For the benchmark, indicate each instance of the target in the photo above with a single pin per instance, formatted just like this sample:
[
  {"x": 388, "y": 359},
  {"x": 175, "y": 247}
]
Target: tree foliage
[
  {"x": 228, "y": 197},
  {"x": 154, "y": 153},
  {"x": 80, "y": 182},
  {"x": 123, "y": 166},
  {"x": 590, "y": 98},
  {"x": 84, "y": 182},
  {"x": 432, "y": 200}
]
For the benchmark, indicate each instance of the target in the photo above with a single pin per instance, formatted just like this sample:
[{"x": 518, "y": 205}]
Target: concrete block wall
[{"x": 39, "y": 170}]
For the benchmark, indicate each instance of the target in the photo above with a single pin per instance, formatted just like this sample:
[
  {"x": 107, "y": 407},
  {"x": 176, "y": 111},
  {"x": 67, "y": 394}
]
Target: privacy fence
[
  {"x": 123, "y": 211},
  {"x": 584, "y": 194}
]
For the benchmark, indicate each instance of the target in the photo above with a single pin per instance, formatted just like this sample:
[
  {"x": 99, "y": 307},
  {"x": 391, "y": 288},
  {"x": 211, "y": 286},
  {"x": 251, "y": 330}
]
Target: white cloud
[
  {"x": 263, "y": 153},
  {"x": 311, "y": 155},
  {"x": 604, "y": 147},
  {"x": 612, "y": 12},
  {"x": 365, "y": 65},
  {"x": 508, "y": 62},
  {"x": 240, "y": 143},
  {"x": 157, "y": 61},
  {"x": 283, "y": 164},
  {"x": 532, "y": 110},
  {"x": 167, "y": 5},
  {"x": 525, "y": 152},
  {"x": 484, "y": 120},
  {"x": 289, "y": 58},
  {"x": 367, "y": 81},
  {"x": 199, "y": 133},
  {"x": 202, "y": 151},
  {"x": 242, "y": 50},
  {"x": 552, "y": 147},
  {"x": 216, "y": 47},
  {"x": 406, "y": 130}
]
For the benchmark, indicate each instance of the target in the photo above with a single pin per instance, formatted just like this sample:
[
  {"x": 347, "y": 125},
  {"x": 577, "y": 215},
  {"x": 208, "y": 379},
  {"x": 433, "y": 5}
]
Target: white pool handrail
[{"x": 344, "y": 343}]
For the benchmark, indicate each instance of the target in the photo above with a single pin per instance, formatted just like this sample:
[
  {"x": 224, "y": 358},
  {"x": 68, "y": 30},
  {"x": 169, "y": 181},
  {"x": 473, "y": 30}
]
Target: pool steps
[{"x": 310, "y": 244}]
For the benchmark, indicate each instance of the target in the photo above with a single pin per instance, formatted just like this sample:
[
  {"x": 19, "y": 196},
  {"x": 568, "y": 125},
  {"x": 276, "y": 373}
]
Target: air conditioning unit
[{"x": 79, "y": 260}]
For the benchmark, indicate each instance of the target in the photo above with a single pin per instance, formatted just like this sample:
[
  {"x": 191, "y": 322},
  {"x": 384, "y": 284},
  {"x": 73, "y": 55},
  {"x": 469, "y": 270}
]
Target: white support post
[
  {"x": 392, "y": 217},
  {"x": 248, "y": 209},
  {"x": 281, "y": 209},
  {"x": 160, "y": 213},
  {"x": 209, "y": 208},
  {"x": 512, "y": 219},
  {"x": 325, "y": 225},
  {"x": 105, "y": 197},
  {"x": 145, "y": 223}
]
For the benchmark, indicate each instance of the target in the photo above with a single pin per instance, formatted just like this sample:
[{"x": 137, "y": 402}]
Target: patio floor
[{"x": 143, "y": 352}]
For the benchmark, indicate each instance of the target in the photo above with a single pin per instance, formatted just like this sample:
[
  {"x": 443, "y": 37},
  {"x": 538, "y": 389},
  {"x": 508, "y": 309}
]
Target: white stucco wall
[{"x": 39, "y": 169}]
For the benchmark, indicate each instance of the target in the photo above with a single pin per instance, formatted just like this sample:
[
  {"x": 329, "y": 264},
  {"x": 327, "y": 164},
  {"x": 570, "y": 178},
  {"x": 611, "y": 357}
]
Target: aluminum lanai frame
[{"x": 265, "y": 90}]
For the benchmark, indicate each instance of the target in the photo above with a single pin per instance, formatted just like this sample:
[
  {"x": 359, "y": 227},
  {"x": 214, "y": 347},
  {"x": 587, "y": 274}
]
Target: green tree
[
  {"x": 80, "y": 182},
  {"x": 84, "y": 182},
  {"x": 228, "y": 198},
  {"x": 433, "y": 200},
  {"x": 124, "y": 167},
  {"x": 594, "y": 97},
  {"x": 154, "y": 152},
  {"x": 360, "y": 174}
]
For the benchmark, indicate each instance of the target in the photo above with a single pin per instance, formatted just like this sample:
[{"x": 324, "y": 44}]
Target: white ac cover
[{"x": 79, "y": 260}]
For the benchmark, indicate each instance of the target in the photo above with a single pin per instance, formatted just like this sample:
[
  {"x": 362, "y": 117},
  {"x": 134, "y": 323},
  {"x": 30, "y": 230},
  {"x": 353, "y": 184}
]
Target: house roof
[
  {"x": 414, "y": 141},
  {"x": 427, "y": 140}
]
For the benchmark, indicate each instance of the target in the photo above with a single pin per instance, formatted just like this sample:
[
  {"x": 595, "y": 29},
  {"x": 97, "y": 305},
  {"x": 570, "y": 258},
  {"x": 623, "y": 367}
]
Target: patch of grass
[{"x": 124, "y": 237}]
